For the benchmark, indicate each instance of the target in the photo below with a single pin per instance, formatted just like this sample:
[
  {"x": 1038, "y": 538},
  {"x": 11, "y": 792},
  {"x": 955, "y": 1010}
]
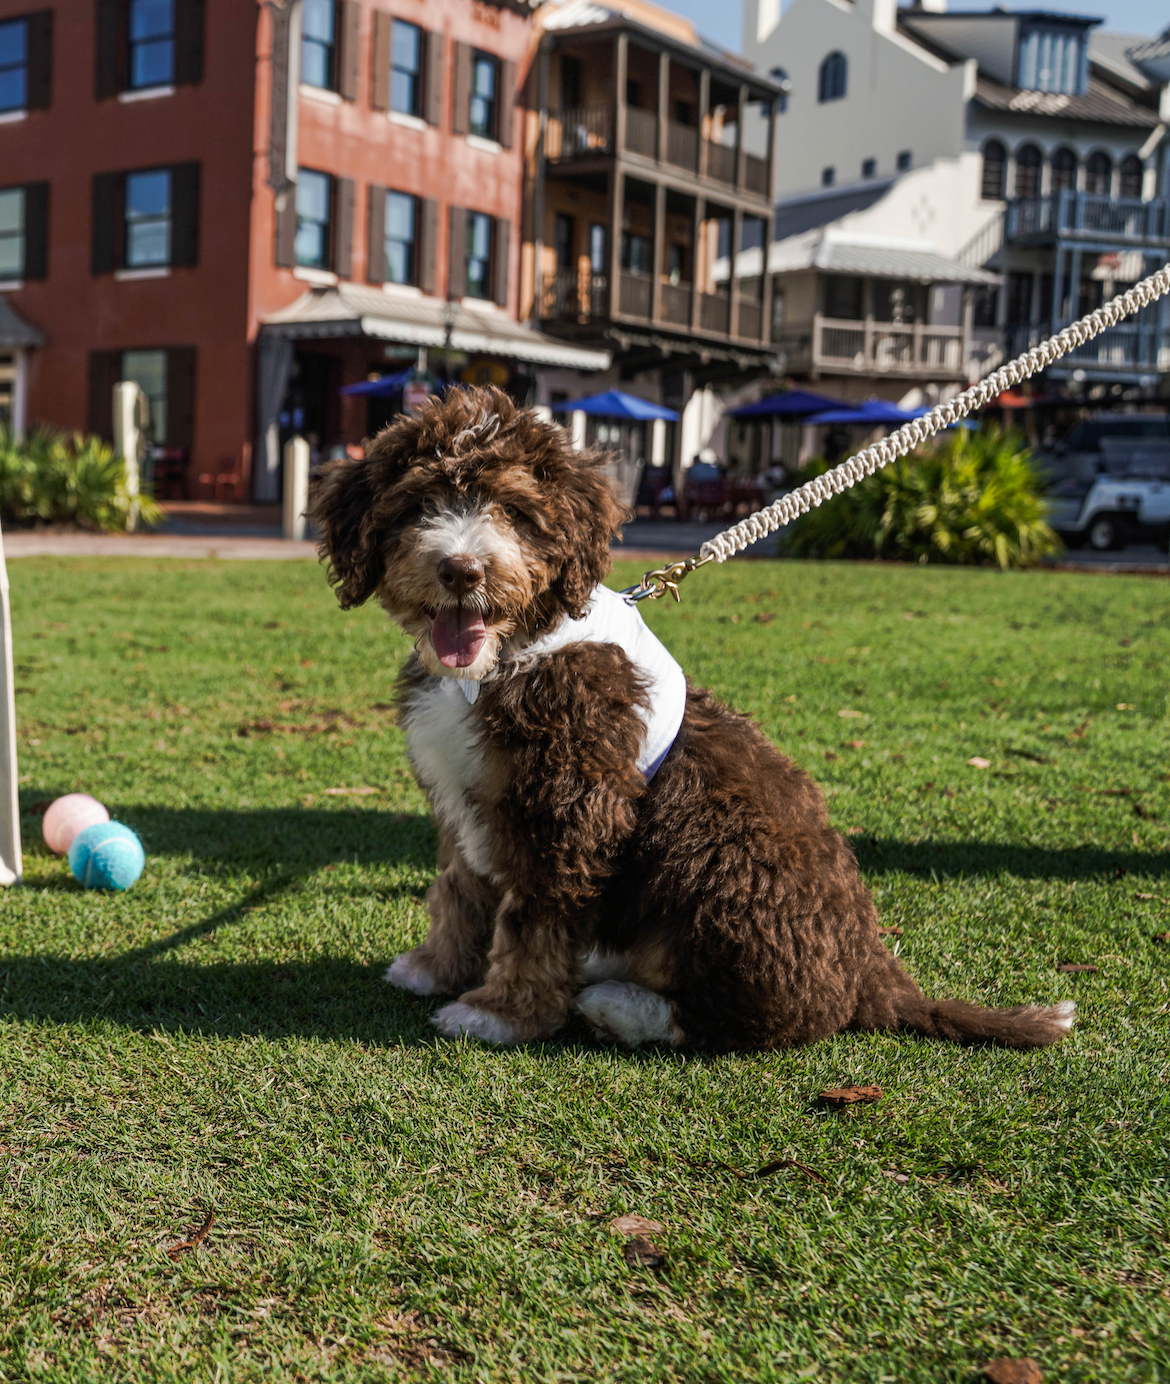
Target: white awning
[
  {"x": 872, "y": 255},
  {"x": 357, "y": 310}
]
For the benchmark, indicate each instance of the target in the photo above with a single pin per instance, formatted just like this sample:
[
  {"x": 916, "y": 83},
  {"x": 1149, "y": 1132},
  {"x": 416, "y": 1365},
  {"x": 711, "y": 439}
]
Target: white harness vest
[{"x": 609, "y": 619}]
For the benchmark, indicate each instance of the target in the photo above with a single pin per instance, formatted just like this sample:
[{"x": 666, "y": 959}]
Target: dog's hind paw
[
  {"x": 460, "y": 1020},
  {"x": 630, "y": 1013},
  {"x": 410, "y": 972}
]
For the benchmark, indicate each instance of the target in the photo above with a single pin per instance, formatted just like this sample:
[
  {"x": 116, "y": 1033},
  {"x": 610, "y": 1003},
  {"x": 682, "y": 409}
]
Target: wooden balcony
[
  {"x": 1121, "y": 222},
  {"x": 1133, "y": 349},
  {"x": 582, "y": 297},
  {"x": 579, "y": 132},
  {"x": 843, "y": 347}
]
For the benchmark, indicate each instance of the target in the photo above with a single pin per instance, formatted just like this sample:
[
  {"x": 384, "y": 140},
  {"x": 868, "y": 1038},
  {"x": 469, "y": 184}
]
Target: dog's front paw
[
  {"x": 410, "y": 972},
  {"x": 458, "y": 1020},
  {"x": 629, "y": 1013}
]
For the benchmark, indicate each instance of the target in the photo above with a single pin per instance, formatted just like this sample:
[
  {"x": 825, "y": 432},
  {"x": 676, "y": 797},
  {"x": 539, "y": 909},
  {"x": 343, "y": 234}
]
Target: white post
[
  {"x": 296, "y": 487},
  {"x": 10, "y": 864},
  {"x": 577, "y": 426},
  {"x": 20, "y": 396},
  {"x": 131, "y": 417}
]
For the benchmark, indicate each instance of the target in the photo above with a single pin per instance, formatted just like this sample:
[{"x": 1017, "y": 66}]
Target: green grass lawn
[{"x": 389, "y": 1205}]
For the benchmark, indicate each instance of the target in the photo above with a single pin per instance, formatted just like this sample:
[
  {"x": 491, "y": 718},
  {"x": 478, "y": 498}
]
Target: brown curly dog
[{"x": 611, "y": 839}]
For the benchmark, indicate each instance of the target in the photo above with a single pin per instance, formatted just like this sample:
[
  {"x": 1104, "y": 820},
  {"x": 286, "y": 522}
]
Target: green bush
[
  {"x": 975, "y": 498},
  {"x": 47, "y": 478}
]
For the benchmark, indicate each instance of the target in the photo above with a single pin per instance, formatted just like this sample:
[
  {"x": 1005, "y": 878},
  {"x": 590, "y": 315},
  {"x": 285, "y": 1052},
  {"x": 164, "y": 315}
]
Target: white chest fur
[{"x": 444, "y": 745}]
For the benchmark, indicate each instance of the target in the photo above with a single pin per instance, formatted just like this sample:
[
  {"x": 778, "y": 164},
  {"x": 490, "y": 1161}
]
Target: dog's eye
[{"x": 509, "y": 511}]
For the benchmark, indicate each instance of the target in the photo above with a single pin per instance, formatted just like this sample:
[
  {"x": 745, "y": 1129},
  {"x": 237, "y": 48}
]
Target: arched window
[
  {"x": 1131, "y": 176},
  {"x": 1064, "y": 171},
  {"x": 1029, "y": 162},
  {"x": 994, "y": 162},
  {"x": 832, "y": 79},
  {"x": 1099, "y": 173}
]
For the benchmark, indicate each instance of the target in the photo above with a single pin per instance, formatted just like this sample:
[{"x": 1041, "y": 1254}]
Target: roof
[
  {"x": 1110, "y": 51},
  {"x": 880, "y": 256},
  {"x": 14, "y": 330},
  {"x": 801, "y": 214},
  {"x": 1153, "y": 57},
  {"x": 1101, "y": 103},
  {"x": 357, "y": 310}
]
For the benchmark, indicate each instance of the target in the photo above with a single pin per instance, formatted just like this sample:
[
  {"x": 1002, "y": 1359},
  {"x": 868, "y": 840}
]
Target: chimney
[{"x": 884, "y": 16}]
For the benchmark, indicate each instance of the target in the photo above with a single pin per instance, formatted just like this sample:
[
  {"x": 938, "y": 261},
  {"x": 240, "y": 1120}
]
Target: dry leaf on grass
[
  {"x": 889, "y": 932},
  {"x": 978, "y": 762},
  {"x": 896, "y": 1176},
  {"x": 847, "y": 715},
  {"x": 854, "y": 744},
  {"x": 1162, "y": 936},
  {"x": 197, "y": 1239},
  {"x": 362, "y": 792},
  {"x": 634, "y": 1225},
  {"x": 836, "y": 1097},
  {"x": 765, "y": 617},
  {"x": 854, "y": 831},
  {"x": 1004, "y": 1371},
  {"x": 1075, "y": 966},
  {"x": 777, "y": 1164},
  {"x": 641, "y": 1253}
]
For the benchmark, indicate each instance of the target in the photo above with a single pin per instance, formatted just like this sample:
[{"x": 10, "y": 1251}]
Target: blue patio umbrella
[
  {"x": 614, "y": 404},
  {"x": 793, "y": 403},
  {"x": 872, "y": 413},
  {"x": 387, "y": 384}
]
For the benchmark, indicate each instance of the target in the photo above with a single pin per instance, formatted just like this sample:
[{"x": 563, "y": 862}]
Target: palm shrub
[
  {"x": 974, "y": 498},
  {"x": 48, "y": 478}
]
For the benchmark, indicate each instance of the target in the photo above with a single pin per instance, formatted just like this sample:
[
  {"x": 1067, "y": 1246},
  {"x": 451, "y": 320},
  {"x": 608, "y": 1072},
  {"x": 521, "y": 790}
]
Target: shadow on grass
[{"x": 959, "y": 859}]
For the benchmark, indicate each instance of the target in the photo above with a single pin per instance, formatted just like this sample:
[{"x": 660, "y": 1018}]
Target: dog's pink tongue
[{"x": 458, "y": 636}]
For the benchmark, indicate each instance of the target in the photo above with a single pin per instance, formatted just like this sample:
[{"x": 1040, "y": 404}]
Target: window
[
  {"x": 831, "y": 80},
  {"x": 318, "y": 41},
  {"x": 479, "y": 255},
  {"x": 400, "y": 238},
  {"x": 1131, "y": 176},
  {"x": 869, "y": 168},
  {"x": 1029, "y": 163},
  {"x": 406, "y": 68},
  {"x": 598, "y": 241},
  {"x": 845, "y": 297},
  {"x": 904, "y": 161},
  {"x": 14, "y": 65},
  {"x": 1099, "y": 174},
  {"x": 314, "y": 207},
  {"x": 148, "y": 219},
  {"x": 1051, "y": 60},
  {"x": 780, "y": 76},
  {"x": 637, "y": 253},
  {"x": 12, "y": 233},
  {"x": 1064, "y": 171},
  {"x": 151, "y": 39},
  {"x": 828, "y": 177},
  {"x": 985, "y": 306},
  {"x": 484, "y": 83},
  {"x": 994, "y": 162},
  {"x": 563, "y": 236},
  {"x": 1019, "y": 296},
  {"x": 148, "y": 370},
  {"x": 570, "y": 81}
]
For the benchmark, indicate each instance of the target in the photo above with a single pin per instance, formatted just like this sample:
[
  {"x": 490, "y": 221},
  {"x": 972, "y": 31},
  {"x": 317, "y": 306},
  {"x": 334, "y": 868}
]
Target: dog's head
[{"x": 469, "y": 521}]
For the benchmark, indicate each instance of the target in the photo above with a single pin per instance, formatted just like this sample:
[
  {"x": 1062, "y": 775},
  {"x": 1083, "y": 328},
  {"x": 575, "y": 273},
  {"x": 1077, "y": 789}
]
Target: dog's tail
[{"x": 890, "y": 999}]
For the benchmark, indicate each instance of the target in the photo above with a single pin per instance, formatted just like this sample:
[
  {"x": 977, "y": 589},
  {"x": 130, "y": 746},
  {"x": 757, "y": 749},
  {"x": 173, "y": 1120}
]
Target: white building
[{"x": 1026, "y": 143}]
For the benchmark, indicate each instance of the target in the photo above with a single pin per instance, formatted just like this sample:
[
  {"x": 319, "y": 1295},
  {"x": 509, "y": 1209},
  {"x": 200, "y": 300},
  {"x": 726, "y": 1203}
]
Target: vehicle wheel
[{"x": 1105, "y": 533}]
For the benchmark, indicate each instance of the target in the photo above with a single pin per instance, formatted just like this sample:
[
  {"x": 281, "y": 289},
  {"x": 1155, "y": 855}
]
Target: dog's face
[{"x": 468, "y": 521}]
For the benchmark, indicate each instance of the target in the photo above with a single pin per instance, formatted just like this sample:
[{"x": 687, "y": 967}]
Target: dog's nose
[{"x": 461, "y": 575}]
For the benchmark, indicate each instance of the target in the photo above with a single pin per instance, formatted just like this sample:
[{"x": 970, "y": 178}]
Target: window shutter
[
  {"x": 104, "y": 235},
  {"x": 347, "y": 54},
  {"x": 429, "y": 240},
  {"x": 343, "y": 200},
  {"x": 286, "y": 228},
  {"x": 380, "y": 62},
  {"x": 457, "y": 254},
  {"x": 461, "y": 104},
  {"x": 278, "y": 102},
  {"x": 501, "y": 247},
  {"x": 105, "y": 368},
  {"x": 433, "y": 96},
  {"x": 40, "y": 60},
  {"x": 376, "y": 236},
  {"x": 188, "y": 42},
  {"x": 36, "y": 230},
  {"x": 506, "y": 102},
  {"x": 185, "y": 214},
  {"x": 107, "y": 49},
  {"x": 181, "y": 396}
]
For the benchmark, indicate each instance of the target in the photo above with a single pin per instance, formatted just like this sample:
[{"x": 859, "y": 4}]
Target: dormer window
[{"x": 1051, "y": 58}]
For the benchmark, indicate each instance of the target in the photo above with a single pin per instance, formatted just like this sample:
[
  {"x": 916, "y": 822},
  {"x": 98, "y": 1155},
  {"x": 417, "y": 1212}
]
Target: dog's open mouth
[{"x": 457, "y": 634}]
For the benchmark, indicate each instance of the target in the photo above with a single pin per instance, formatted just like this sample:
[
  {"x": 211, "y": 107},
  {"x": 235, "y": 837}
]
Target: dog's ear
[
  {"x": 341, "y": 506},
  {"x": 594, "y": 517}
]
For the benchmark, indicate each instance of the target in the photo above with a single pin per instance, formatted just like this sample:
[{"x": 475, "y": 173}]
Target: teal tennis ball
[{"x": 106, "y": 855}]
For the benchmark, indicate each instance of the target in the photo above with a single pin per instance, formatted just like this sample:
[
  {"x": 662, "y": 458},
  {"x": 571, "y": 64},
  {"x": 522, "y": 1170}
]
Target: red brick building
[{"x": 248, "y": 207}]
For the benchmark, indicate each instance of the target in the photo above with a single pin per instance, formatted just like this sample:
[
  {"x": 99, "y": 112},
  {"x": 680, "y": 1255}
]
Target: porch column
[
  {"x": 772, "y": 114},
  {"x": 968, "y": 331},
  {"x": 658, "y": 252},
  {"x": 766, "y": 285},
  {"x": 699, "y": 274},
  {"x": 621, "y": 53},
  {"x": 740, "y": 150},
  {"x": 663, "y": 104},
  {"x": 617, "y": 189},
  {"x": 704, "y": 114},
  {"x": 20, "y": 394},
  {"x": 732, "y": 255}
]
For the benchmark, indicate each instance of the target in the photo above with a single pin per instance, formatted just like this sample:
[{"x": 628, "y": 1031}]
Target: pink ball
[{"x": 69, "y": 815}]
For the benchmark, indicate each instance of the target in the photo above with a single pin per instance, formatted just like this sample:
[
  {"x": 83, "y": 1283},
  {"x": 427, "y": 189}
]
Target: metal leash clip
[{"x": 655, "y": 584}]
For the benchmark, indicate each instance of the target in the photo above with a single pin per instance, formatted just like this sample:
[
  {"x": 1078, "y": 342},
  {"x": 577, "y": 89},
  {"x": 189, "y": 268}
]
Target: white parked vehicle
[{"x": 1116, "y": 483}]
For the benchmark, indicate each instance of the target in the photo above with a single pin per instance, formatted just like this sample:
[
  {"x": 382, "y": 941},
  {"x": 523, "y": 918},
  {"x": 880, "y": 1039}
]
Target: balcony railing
[
  {"x": 578, "y": 131},
  {"x": 1131, "y": 348},
  {"x": 574, "y": 295},
  {"x": 751, "y": 318},
  {"x": 868, "y": 347},
  {"x": 721, "y": 161},
  {"x": 1084, "y": 215},
  {"x": 715, "y": 312},
  {"x": 755, "y": 174},
  {"x": 641, "y": 132},
  {"x": 676, "y": 304},
  {"x": 682, "y": 146},
  {"x": 635, "y": 293}
]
